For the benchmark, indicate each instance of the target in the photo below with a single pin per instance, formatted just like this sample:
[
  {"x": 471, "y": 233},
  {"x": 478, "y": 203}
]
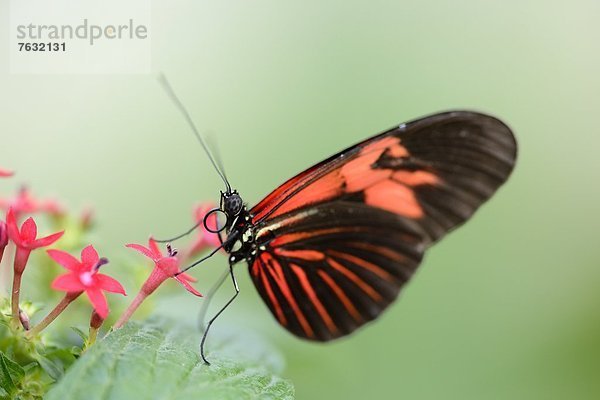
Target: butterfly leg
[
  {"x": 211, "y": 293},
  {"x": 208, "y": 298},
  {"x": 230, "y": 239},
  {"x": 237, "y": 291},
  {"x": 206, "y": 257},
  {"x": 220, "y": 236}
]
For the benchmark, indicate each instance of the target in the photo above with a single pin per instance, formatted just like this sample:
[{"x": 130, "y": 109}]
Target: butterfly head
[{"x": 231, "y": 203}]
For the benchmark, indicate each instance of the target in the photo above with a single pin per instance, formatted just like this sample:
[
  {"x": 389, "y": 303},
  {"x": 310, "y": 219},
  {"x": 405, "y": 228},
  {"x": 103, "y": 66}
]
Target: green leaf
[
  {"x": 160, "y": 360},
  {"x": 80, "y": 333},
  {"x": 56, "y": 362},
  {"x": 6, "y": 380},
  {"x": 16, "y": 371},
  {"x": 50, "y": 367}
]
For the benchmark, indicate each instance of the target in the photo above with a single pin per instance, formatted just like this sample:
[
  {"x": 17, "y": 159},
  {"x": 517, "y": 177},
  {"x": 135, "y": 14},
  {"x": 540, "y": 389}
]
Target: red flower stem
[
  {"x": 141, "y": 296},
  {"x": 16, "y": 288},
  {"x": 21, "y": 258},
  {"x": 60, "y": 307}
]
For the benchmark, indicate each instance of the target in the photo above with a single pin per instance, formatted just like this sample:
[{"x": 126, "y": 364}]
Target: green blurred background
[{"x": 505, "y": 308}]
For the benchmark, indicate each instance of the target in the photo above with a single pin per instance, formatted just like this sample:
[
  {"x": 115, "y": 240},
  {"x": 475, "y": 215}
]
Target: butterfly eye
[
  {"x": 233, "y": 204},
  {"x": 215, "y": 218}
]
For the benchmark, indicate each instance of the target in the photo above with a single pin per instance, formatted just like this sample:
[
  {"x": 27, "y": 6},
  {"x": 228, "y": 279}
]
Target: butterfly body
[{"x": 331, "y": 248}]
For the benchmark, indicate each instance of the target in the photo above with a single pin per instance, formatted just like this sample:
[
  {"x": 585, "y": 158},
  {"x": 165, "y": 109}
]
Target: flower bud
[
  {"x": 24, "y": 318},
  {"x": 96, "y": 320}
]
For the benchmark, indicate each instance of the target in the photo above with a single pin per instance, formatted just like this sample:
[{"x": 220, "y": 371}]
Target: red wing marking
[
  {"x": 395, "y": 198},
  {"x": 277, "y": 274},
  {"x": 397, "y": 151},
  {"x": 381, "y": 144},
  {"x": 359, "y": 173},
  {"x": 363, "y": 263},
  {"x": 365, "y": 287},
  {"x": 310, "y": 255},
  {"x": 341, "y": 295},
  {"x": 415, "y": 178},
  {"x": 278, "y": 311},
  {"x": 384, "y": 251},
  {"x": 288, "y": 238},
  {"x": 313, "y": 298},
  {"x": 354, "y": 175},
  {"x": 325, "y": 188}
]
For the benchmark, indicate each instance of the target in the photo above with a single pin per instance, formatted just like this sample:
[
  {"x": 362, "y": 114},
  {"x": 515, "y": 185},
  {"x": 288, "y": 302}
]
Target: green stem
[
  {"x": 92, "y": 337},
  {"x": 60, "y": 307},
  {"x": 16, "y": 289}
]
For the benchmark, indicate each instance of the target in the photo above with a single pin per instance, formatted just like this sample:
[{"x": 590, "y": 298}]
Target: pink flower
[
  {"x": 5, "y": 173},
  {"x": 164, "y": 267},
  {"x": 25, "y": 203},
  {"x": 83, "y": 276},
  {"x": 26, "y": 239}
]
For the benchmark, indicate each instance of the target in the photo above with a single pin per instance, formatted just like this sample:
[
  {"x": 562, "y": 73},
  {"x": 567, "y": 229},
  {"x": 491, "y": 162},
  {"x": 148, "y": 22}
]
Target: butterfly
[{"x": 330, "y": 249}]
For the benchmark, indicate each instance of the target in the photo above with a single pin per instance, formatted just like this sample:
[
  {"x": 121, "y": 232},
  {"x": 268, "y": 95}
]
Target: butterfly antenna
[
  {"x": 171, "y": 93},
  {"x": 214, "y": 148}
]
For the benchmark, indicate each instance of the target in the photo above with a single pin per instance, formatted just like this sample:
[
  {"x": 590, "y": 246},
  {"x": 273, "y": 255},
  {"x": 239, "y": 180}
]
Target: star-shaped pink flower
[
  {"x": 4, "y": 173},
  {"x": 26, "y": 241},
  {"x": 83, "y": 276},
  {"x": 26, "y": 238},
  {"x": 165, "y": 267}
]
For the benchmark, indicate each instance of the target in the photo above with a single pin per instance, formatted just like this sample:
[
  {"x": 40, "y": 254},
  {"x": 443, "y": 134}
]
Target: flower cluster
[
  {"x": 84, "y": 275},
  {"x": 25, "y": 203}
]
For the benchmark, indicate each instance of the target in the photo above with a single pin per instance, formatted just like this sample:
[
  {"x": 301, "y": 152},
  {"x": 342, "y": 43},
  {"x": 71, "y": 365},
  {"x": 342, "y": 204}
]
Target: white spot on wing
[{"x": 287, "y": 221}]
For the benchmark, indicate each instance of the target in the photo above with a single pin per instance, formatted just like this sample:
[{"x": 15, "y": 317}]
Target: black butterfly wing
[
  {"x": 394, "y": 194},
  {"x": 329, "y": 269}
]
